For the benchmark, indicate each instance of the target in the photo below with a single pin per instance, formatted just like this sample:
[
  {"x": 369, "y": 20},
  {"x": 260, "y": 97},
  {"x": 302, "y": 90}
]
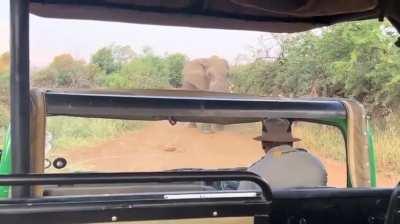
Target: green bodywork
[
  {"x": 342, "y": 125},
  {"x": 5, "y": 162},
  {"x": 372, "y": 156}
]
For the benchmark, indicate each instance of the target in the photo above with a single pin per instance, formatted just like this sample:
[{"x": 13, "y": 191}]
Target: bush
[
  {"x": 66, "y": 72},
  {"x": 353, "y": 60},
  {"x": 148, "y": 71}
]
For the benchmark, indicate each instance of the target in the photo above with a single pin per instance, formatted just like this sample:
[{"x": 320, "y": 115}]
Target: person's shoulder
[
  {"x": 305, "y": 154},
  {"x": 282, "y": 149}
]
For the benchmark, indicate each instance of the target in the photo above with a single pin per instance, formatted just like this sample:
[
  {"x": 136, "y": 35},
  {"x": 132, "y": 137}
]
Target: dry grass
[
  {"x": 387, "y": 142},
  {"x": 324, "y": 140},
  {"x": 69, "y": 132},
  {"x": 328, "y": 142}
]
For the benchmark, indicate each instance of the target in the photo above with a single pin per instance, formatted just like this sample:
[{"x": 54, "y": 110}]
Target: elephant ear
[
  {"x": 215, "y": 60},
  {"x": 205, "y": 63}
]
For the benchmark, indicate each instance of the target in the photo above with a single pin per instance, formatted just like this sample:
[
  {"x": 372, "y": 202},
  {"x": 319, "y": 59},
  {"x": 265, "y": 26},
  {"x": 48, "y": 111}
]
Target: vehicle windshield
[
  {"x": 140, "y": 146},
  {"x": 355, "y": 60}
]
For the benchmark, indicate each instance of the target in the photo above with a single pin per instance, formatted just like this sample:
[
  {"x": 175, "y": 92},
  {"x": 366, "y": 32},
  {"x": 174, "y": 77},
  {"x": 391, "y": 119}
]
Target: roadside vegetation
[
  {"x": 354, "y": 60},
  {"x": 79, "y": 132}
]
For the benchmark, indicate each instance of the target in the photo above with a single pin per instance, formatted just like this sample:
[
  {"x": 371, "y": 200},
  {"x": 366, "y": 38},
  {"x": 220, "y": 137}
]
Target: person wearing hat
[{"x": 284, "y": 166}]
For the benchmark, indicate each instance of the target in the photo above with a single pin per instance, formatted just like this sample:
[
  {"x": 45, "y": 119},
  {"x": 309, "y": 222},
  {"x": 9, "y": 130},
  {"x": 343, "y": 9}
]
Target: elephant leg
[
  {"x": 206, "y": 128},
  {"x": 218, "y": 127},
  {"x": 192, "y": 125},
  {"x": 218, "y": 86},
  {"x": 188, "y": 86}
]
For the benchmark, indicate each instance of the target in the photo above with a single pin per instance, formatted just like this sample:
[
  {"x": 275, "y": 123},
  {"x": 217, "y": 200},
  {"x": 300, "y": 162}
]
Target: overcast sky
[{"x": 50, "y": 37}]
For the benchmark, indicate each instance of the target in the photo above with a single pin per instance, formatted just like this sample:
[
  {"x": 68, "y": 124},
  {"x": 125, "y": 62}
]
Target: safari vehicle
[{"x": 28, "y": 204}]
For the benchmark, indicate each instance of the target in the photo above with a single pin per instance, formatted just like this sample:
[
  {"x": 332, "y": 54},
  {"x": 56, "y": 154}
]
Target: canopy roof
[
  {"x": 262, "y": 15},
  {"x": 177, "y": 105}
]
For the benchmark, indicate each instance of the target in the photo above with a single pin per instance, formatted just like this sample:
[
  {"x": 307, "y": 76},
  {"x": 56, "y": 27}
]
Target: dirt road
[{"x": 160, "y": 146}]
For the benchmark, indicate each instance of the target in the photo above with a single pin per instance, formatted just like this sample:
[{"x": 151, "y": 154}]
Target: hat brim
[{"x": 263, "y": 139}]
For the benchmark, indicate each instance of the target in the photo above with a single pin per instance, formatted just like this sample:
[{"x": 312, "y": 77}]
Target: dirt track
[{"x": 160, "y": 146}]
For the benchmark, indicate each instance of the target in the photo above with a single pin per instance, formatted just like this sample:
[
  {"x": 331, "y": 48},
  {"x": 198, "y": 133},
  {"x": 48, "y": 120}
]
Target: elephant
[{"x": 208, "y": 74}]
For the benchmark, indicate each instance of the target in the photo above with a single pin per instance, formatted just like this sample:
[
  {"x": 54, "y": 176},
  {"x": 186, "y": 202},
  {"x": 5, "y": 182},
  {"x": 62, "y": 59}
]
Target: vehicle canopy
[{"x": 264, "y": 15}]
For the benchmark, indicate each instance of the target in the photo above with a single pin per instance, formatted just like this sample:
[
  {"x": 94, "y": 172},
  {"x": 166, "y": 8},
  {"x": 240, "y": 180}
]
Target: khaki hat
[{"x": 277, "y": 130}]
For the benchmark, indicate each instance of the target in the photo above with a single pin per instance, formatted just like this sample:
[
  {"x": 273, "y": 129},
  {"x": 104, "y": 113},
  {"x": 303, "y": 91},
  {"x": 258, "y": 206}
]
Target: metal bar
[
  {"x": 20, "y": 91},
  {"x": 153, "y": 106},
  {"x": 96, "y": 211},
  {"x": 142, "y": 177}
]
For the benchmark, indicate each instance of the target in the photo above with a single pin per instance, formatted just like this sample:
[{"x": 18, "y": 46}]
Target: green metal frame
[
  {"x": 372, "y": 155},
  {"x": 5, "y": 162},
  {"x": 342, "y": 125}
]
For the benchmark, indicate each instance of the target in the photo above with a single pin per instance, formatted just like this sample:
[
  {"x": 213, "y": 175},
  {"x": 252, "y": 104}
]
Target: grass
[
  {"x": 324, "y": 140},
  {"x": 2, "y": 134},
  {"x": 387, "y": 142},
  {"x": 328, "y": 142},
  {"x": 70, "y": 132}
]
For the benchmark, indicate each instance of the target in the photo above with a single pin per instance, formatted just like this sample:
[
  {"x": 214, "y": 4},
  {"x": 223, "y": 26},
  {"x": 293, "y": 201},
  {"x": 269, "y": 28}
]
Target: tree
[
  {"x": 143, "y": 72},
  {"x": 122, "y": 54},
  {"x": 148, "y": 71},
  {"x": 103, "y": 58},
  {"x": 67, "y": 72},
  {"x": 111, "y": 58},
  {"x": 355, "y": 60},
  {"x": 173, "y": 66}
]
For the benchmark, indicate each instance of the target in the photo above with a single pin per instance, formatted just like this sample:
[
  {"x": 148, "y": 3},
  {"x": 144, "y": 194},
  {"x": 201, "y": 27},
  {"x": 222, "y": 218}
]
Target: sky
[{"x": 51, "y": 37}]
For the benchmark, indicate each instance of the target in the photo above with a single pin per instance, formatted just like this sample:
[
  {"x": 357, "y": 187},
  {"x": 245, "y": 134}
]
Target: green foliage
[
  {"x": 250, "y": 78},
  {"x": 356, "y": 60},
  {"x": 148, "y": 71},
  {"x": 66, "y": 72},
  {"x": 172, "y": 68},
  {"x": 114, "y": 67},
  {"x": 111, "y": 58},
  {"x": 74, "y": 132}
]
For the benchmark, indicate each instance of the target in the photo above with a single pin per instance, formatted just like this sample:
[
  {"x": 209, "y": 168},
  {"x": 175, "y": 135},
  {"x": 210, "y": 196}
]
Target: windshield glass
[{"x": 138, "y": 146}]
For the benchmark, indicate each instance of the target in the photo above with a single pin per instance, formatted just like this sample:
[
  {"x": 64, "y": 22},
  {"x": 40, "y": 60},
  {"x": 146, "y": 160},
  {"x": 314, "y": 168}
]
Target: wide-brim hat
[{"x": 277, "y": 130}]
